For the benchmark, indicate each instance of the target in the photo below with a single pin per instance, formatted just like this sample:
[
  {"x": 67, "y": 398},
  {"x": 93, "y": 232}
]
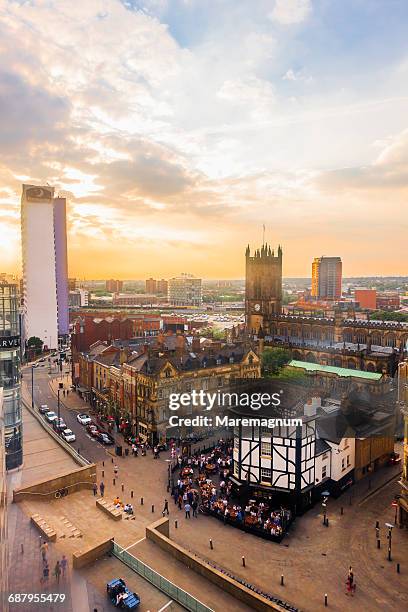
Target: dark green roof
[{"x": 344, "y": 372}]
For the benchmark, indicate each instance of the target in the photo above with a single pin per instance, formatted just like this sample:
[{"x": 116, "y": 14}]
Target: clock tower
[{"x": 263, "y": 288}]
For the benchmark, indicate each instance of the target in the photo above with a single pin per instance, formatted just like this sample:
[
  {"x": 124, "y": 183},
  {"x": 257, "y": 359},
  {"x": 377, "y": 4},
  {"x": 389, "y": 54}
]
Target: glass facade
[
  {"x": 10, "y": 373},
  {"x": 3, "y": 516}
]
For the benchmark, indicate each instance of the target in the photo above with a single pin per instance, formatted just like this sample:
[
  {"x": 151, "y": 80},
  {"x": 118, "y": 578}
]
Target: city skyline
[{"x": 199, "y": 123}]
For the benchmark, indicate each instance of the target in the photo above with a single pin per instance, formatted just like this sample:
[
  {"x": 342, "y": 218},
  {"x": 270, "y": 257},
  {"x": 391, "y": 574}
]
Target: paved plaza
[{"x": 313, "y": 559}]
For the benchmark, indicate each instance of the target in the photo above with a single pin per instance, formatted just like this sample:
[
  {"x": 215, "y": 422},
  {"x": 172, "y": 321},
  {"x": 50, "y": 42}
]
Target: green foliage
[
  {"x": 35, "y": 342},
  {"x": 273, "y": 359},
  {"x": 387, "y": 315}
]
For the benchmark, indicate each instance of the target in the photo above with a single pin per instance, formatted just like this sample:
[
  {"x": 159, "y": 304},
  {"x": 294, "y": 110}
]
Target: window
[
  {"x": 220, "y": 381},
  {"x": 266, "y": 448},
  {"x": 343, "y": 464},
  {"x": 160, "y": 394},
  {"x": 236, "y": 468},
  {"x": 265, "y": 474},
  {"x": 348, "y": 460},
  {"x": 265, "y": 430},
  {"x": 236, "y": 442},
  {"x": 324, "y": 471}
]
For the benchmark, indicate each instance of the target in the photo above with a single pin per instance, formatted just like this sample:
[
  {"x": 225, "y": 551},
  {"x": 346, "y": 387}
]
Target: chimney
[
  {"x": 196, "y": 344},
  {"x": 312, "y": 405},
  {"x": 124, "y": 354},
  {"x": 180, "y": 344}
]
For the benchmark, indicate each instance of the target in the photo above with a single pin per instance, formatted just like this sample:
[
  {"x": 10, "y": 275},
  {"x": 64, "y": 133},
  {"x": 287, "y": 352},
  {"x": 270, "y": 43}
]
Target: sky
[{"x": 176, "y": 129}]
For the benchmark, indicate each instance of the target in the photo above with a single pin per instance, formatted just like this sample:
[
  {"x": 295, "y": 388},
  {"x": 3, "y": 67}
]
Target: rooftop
[{"x": 343, "y": 372}]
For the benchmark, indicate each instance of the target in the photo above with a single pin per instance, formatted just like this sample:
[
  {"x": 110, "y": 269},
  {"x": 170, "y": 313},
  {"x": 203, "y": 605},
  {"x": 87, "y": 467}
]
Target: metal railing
[{"x": 163, "y": 584}]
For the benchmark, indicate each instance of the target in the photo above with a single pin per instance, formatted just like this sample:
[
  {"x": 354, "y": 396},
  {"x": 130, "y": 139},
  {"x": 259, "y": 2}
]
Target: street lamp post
[
  {"x": 325, "y": 495},
  {"x": 389, "y": 537},
  {"x": 60, "y": 386},
  {"x": 32, "y": 386}
]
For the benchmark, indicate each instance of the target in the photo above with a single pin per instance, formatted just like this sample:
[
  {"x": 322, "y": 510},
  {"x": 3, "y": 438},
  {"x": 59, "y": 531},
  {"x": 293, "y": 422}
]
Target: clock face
[{"x": 257, "y": 307}]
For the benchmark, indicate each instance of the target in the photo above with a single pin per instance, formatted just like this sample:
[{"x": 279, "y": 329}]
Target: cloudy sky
[{"x": 177, "y": 128}]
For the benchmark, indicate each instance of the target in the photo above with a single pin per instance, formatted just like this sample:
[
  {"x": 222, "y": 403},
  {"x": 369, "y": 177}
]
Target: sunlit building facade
[{"x": 10, "y": 379}]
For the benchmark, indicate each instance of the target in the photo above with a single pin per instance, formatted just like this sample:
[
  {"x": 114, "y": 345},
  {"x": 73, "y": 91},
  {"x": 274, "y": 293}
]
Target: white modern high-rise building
[{"x": 45, "y": 268}]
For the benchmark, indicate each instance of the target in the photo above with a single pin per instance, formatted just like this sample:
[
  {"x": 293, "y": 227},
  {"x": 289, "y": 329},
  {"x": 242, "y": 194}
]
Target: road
[{"x": 87, "y": 446}]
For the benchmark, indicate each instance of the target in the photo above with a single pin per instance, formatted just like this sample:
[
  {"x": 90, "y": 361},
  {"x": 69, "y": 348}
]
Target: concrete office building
[
  {"x": 326, "y": 278},
  {"x": 185, "y": 290},
  {"x": 10, "y": 372},
  {"x": 45, "y": 273}
]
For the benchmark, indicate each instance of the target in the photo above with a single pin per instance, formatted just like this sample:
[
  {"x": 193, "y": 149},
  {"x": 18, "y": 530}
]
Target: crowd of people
[
  {"x": 60, "y": 568},
  {"x": 204, "y": 483}
]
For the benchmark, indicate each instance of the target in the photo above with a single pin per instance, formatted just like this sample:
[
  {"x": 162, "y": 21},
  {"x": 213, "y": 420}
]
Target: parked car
[
  {"x": 93, "y": 431},
  {"x": 68, "y": 435},
  {"x": 84, "y": 419},
  {"x": 59, "y": 425},
  {"x": 121, "y": 596},
  {"x": 105, "y": 438},
  {"x": 51, "y": 416},
  {"x": 44, "y": 408}
]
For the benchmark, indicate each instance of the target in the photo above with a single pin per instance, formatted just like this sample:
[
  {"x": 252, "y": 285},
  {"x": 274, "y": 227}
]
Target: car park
[
  {"x": 51, "y": 416},
  {"x": 44, "y": 408},
  {"x": 68, "y": 435},
  {"x": 84, "y": 419}
]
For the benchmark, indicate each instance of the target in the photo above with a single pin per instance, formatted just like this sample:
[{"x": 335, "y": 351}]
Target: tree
[
  {"x": 35, "y": 343},
  {"x": 273, "y": 359}
]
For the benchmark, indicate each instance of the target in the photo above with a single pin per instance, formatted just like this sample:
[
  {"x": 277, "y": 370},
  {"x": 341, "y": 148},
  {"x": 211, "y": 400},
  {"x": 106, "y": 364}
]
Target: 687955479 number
[{"x": 27, "y": 598}]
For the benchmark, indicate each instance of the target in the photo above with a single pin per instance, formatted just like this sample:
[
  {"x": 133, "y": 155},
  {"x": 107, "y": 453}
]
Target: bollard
[
  {"x": 175, "y": 524},
  {"x": 123, "y": 487},
  {"x": 112, "y": 459},
  {"x": 325, "y": 600},
  {"x": 152, "y": 508},
  {"x": 342, "y": 510},
  {"x": 243, "y": 561},
  {"x": 103, "y": 463},
  {"x": 22, "y": 552},
  {"x": 211, "y": 545},
  {"x": 103, "y": 473},
  {"x": 327, "y": 521},
  {"x": 378, "y": 544},
  {"x": 141, "y": 501},
  {"x": 377, "y": 524},
  {"x": 398, "y": 567},
  {"x": 131, "y": 494},
  {"x": 114, "y": 482},
  {"x": 282, "y": 581}
]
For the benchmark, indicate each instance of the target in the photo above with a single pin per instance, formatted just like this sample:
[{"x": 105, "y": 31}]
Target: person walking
[
  {"x": 102, "y": 488},
  {"x": 187, "y": 509},
  {"x": 115, "y": 471},
  {"x": 166, "y": 507},
  {"x": 44, "y": 550},
  {"x": 94, "y": 488},
  {"x": 45, "y": 574},
  {"x": 64, "y": 565},
  {"x": 194, "y": 506},
  {"x": 57, "y": 571}
]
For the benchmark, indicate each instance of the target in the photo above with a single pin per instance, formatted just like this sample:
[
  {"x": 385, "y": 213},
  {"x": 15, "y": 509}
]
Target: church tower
[{"x": 263, "y": 288}]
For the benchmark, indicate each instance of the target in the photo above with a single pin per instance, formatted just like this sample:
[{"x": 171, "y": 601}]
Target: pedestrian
[
  {"x": 94, "y": 488},
  {"x": 166, "y": 507},
  {"x": 44, "y": 550},
  {"x": 45, "y": 574},
  {"x": 187, "y": 509},
  {"x": 180, "y": 501},
  {"x": 57, "y": 571},
  {"x": 115, "y": 470},
  {"x": 64, "y": 565},
  {"x": 194, "y": 506},
  {"x": 102, "y": 488}
]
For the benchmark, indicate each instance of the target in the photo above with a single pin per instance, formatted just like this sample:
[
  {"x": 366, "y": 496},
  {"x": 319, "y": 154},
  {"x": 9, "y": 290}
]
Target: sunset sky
[{"x": 177, "y": 128}]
